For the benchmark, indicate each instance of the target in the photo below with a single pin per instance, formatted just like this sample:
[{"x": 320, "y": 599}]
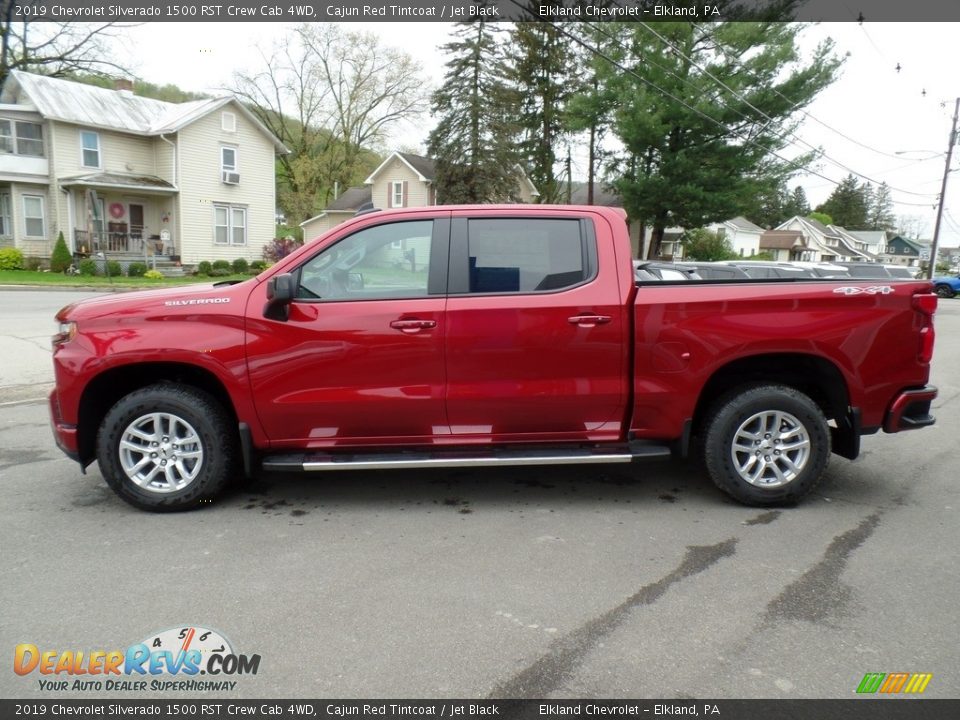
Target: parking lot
[{"x": 640, "y": 582}]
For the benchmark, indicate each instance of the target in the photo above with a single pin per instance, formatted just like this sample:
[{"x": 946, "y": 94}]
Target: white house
[
  {"x": 742, "y": 234},
  {"x": 402, "y": 180},
  {"x": 132, "y": 177}
]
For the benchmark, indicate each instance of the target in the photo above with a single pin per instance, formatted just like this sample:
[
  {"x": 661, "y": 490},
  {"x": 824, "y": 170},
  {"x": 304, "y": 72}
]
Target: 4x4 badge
[{"x": 872, "y": 290}]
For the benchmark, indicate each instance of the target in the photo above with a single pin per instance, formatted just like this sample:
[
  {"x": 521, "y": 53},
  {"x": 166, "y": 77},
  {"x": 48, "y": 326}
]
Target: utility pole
[{"x": 934, "y": 246}]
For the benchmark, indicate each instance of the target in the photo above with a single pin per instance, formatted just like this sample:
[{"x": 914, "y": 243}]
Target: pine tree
[
  {"x": 695, "y": 150},
  {"x": 473, "y": 143},
  {"x": 881, "y": 215},
  {"x": 61, "y": 259},
  {"x": 541, "y": 68},
  {"x": 797, "y": 204},
  {"x": 847, "y": 204}
]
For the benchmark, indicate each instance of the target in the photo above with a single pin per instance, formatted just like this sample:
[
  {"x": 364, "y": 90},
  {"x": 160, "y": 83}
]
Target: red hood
[{"x": 229, "y": 298}]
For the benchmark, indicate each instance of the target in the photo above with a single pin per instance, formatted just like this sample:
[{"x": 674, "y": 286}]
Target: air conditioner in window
[{"x": 231, "y": 178}]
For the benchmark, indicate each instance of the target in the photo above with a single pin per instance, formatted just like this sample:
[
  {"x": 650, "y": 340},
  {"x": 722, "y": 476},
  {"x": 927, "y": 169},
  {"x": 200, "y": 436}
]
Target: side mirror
[{"x": 281, "y": 290}]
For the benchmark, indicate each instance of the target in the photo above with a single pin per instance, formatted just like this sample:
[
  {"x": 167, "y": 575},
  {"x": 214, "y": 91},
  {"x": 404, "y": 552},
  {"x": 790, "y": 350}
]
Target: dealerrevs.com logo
[{"x": 168, "y": 660}]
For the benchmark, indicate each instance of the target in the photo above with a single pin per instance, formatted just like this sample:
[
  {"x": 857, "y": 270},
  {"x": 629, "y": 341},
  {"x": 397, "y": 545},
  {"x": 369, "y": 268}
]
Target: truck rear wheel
[
  {"x": 165, "y": 448},
  {"x": 766, "y": 445}
]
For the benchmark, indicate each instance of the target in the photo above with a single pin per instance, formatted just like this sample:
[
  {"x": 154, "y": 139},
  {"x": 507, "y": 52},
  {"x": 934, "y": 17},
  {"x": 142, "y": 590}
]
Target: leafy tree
[
  {"x": 848, "y": 203},
  {"x": 61, "y": 259},
  {"x": 166, "y": 93},
  {"x": 55, "y": 48},
  {"x": 706, "y": 246},
  {"x": 821, "y": 218},
  {"x": 474, "y": 141},
  {"x": 701, "y": 111},
  {"x": 331, "y": 96},
  {"x": 911, "y": 226}
]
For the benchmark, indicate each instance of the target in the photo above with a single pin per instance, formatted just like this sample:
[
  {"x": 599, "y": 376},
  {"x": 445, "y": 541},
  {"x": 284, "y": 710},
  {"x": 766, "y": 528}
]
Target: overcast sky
[{"x": 873, "y": 104}]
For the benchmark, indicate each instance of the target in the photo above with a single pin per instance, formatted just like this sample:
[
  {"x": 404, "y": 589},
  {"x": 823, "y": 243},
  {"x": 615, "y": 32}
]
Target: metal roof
[
  {"x": 119, "y": 180},
  {"x": 81, "y": 104}
]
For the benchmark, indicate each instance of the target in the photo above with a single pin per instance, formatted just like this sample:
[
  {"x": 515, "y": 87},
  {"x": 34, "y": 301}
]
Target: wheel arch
[
  {"x": 106, "y": 389},
  {"x": 814, "y": 376}
]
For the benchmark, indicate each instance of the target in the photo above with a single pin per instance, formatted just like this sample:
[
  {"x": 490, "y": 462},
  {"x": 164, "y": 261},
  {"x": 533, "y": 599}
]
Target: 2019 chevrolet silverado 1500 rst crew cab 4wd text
[{"x": 484, "y": 335}]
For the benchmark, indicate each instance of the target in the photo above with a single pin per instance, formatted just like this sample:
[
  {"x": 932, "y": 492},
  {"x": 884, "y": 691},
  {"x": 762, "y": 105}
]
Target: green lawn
[{"x": 27, "y": 277}]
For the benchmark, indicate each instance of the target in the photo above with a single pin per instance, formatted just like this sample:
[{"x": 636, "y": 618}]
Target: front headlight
[{"x": 65, "y": 333}]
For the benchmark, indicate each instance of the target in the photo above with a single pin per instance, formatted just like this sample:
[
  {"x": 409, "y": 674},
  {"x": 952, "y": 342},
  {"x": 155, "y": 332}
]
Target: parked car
[
  {"x": 823, "y": 269},
  {"x": 761, "y": 269},
  {"x": 717, "y": 271},
  {"x": 518, "y": 337},
  {"x": 946, "y": 287},
  {"x": 879, "y": 270},
  {"x": 651, "y": 270}
]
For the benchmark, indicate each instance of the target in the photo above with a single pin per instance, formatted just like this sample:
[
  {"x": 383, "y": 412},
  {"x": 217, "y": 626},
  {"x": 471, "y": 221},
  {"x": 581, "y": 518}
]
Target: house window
[
  {"x": 396, "y": 193},
  {"x": 6, "y": 136},
  {"x": 229, "y": 225},
  {"x": 90, "y": 149},
  {"x": 21, "y": 138},
  {"x": 228, "y": 122},
  {"x": 29, "y": 139},
  {"x": 34, "y": 224},
  {"x": 228, "y": 159},
  {"x": 6, "y": 229}
]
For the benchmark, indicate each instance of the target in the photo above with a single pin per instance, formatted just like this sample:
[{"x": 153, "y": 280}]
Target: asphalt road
[{"x": 642, "y": 582}]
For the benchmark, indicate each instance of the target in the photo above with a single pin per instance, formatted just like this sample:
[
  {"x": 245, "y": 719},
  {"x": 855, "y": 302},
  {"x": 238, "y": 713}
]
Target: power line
[{"x": 762, "y": 113}]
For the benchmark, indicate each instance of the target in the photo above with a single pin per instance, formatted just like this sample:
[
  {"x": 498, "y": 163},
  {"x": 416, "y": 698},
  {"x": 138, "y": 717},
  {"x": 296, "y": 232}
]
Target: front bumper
[
  {"x": 64, "y": 434},
  {"x": 910, "y": 410}
]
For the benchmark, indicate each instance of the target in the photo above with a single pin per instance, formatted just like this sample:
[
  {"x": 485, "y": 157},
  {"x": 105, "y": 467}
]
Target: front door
[{"x": 360, "y": 359}]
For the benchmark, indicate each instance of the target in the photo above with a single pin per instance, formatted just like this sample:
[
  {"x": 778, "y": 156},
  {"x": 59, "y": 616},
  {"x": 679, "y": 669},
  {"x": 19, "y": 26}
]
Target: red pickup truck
[{"x": 484, "y": 335}]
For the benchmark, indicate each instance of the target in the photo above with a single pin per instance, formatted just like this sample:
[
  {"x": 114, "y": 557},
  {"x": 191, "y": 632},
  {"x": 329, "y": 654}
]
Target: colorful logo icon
[{"x": 893, "y": 683}]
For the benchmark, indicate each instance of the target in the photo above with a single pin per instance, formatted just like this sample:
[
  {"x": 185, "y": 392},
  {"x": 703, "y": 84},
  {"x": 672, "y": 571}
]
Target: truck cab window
[
  {"x": 525, "y": 255},
  {"x": 377, "y": 263}
]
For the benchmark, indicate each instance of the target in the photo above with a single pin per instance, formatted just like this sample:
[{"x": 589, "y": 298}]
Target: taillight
[{"x": 926, "y": 305}]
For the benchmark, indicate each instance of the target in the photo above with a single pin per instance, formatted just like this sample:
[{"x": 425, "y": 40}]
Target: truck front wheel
[
  {"x": 766, "y": 445},
  {"x": 166, "y": 448}
]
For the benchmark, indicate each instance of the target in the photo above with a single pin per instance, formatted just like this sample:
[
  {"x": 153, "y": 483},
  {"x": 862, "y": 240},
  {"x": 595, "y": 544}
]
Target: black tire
[
  {"x": 765, "y": 418},
  {"x": 191, "y": 415},
  {"x": 944, "y": 291}
]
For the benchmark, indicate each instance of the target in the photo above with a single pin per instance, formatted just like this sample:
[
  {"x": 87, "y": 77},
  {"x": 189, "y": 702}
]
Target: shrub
[
  {"x": 61, "y": 258},
  {"x": 240, "y": 266},
  {"x": 258, "y": 265},
  {"x": 153, "y": 275},
  {"x": 221, "y": 265},
  {"x": 220, "y": 272},
  {"x": 114, "y": 269},
  {"x": 136, "y": 269},
  {"x": 204, "y": 267},
  {"x": 279, "y": 248},
  {"x": 88, "y": 267},
  {"x": 11, "y": 259},
  {"x": 34, "y": 263}
]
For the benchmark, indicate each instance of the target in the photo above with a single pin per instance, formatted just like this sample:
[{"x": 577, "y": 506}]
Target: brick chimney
[{"x": 123, "y": 85}]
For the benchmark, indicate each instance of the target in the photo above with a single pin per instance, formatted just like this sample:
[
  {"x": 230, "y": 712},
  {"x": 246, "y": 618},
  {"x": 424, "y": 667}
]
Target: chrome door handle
[
  {"x": 413, "y": 326},
  {"x": 589, "y": 320}
]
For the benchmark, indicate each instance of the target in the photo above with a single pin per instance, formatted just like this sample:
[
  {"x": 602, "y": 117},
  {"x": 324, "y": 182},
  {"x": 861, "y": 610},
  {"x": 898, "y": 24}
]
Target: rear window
[{"x": 525, "y": 255}]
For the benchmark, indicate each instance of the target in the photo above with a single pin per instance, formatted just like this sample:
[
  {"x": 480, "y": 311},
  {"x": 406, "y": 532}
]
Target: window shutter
[
  {"x": 405, "y": 184},
  {"x": 389, "y": 195}
]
